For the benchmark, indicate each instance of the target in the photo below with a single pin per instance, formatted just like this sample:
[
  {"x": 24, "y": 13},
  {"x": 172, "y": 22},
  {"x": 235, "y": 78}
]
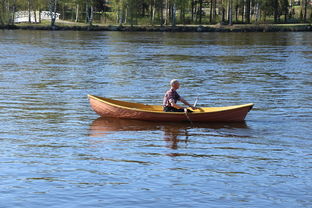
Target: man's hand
[{"x": 193, "y": 108}]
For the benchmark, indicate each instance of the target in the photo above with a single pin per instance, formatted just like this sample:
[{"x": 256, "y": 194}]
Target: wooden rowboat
[{"x": 120, "y": 109}]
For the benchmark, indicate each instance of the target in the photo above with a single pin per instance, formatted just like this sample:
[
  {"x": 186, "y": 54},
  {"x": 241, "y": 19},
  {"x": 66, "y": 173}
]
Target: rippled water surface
[{"x": 56, "y": 152}]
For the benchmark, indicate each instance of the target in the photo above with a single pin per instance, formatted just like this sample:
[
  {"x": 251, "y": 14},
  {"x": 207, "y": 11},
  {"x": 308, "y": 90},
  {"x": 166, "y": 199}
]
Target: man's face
[{"x": 176, "y": 85}]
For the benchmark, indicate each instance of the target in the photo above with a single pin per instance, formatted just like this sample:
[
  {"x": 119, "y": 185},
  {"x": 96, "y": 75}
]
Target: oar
[
  {"x": 185, "y": 111},
  {"x": 188, "y": 118}
]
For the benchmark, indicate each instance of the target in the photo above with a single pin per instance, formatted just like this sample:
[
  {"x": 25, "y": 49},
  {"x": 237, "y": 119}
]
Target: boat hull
[{"x": 107, "y": 109}]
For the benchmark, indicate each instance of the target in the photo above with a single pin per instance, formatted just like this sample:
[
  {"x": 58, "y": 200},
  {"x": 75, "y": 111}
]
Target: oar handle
[{"x": 195, "y": 103}]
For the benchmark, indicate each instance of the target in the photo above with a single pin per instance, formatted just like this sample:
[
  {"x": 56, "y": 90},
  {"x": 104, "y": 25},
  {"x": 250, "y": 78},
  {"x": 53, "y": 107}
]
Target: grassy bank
[{"x": 64, "y": 25}]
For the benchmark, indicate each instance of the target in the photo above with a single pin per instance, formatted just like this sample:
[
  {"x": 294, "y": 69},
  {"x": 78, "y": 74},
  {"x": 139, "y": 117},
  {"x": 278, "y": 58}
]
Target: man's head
[{"x": 175, "y": 84}]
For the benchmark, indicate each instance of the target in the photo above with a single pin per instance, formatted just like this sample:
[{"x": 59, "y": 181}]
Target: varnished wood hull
[{"x": 119, "y": 109}]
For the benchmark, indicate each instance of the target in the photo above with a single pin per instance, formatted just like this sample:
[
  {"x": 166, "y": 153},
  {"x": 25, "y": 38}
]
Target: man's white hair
[{"x": 172, "y": 82}]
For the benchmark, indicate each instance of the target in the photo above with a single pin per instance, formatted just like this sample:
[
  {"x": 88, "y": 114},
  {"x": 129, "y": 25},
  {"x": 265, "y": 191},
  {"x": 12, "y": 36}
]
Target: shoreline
[{"x": 179, "y": 28}]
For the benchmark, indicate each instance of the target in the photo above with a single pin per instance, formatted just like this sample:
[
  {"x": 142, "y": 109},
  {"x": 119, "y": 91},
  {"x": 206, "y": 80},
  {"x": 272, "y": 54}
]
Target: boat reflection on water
[{"x": 173, "y": 132}]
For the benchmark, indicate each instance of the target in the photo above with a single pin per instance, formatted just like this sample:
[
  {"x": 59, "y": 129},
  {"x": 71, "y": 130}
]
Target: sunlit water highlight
[{"x": 56, "y": 152}]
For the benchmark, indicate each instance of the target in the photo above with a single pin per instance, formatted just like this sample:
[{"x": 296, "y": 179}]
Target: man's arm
[
  {"x": 173, "y": 104},
  {"x": 186, "y": 103}
]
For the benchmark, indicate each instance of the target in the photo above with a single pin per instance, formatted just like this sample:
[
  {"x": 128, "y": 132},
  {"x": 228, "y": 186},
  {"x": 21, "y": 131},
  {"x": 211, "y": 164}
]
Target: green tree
[
  {"x": 230, "y": 12},
  {"x": 247, "y": 11},
  {"x": 4, "y": 12},
  {"x": 52, "y": 9}
]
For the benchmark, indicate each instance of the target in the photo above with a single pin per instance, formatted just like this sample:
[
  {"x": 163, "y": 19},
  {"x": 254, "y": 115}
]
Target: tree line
[{"x": 164, "y": 12}]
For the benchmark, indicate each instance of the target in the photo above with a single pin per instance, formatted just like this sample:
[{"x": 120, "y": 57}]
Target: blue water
[{"x": 57, "y": 153}]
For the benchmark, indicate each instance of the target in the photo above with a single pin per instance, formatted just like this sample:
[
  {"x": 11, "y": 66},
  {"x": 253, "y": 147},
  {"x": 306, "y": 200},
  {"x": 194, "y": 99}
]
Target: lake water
[{"x": 55, "y": 152}]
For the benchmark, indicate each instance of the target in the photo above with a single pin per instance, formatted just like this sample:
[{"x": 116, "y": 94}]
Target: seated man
[{"x": 171, "y": 97}]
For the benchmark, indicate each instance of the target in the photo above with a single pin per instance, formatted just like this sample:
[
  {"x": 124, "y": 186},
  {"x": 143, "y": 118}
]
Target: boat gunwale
[{"x": 98, "y": 98}]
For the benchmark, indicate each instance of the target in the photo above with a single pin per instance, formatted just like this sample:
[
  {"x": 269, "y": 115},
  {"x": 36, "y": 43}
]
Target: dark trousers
[{"x": 172, "y": 109}]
